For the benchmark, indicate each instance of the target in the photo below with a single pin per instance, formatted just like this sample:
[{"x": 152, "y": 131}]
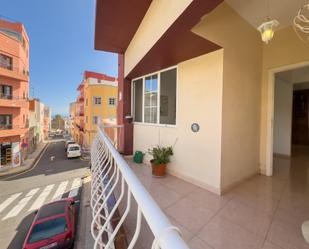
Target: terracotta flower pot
[{"x": 158, "y": 170}]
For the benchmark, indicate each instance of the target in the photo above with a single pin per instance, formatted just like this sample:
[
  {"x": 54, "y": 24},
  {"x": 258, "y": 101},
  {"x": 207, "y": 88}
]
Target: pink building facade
[{"x": 14, "y": 90}]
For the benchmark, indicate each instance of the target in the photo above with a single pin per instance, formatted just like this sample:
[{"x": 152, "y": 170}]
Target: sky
[{"x": 61, "y": 34}]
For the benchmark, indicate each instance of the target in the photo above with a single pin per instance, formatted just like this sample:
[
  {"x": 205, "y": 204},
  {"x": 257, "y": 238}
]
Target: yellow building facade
[{"x": 99, "y": 100}]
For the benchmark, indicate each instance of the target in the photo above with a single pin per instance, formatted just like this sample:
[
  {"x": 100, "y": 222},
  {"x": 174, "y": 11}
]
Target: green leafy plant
[{"x": 161, "y": 155}]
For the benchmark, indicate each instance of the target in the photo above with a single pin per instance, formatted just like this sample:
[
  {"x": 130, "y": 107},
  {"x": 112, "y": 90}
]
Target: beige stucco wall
[
  {"x": 284, "y": 50},
  {"x": 241, "y": 91},
  {"x": 159, "y": 17},
  {"x": 199, "y": 100}
]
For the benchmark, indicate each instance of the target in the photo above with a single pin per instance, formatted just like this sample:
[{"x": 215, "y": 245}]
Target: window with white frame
[
  {"x": 97, "y": 100},
  {"x": 151, "y": 99},
  {"x": 95, "y": 119},
  {"x": 154, "y": 98},
  {"x": 111, "y": 101}
]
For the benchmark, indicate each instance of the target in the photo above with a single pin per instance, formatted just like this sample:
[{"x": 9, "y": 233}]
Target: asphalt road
[{"x": 54, "y": 176}]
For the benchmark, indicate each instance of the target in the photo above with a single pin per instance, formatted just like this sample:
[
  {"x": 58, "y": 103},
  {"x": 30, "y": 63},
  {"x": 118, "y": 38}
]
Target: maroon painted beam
[{"x": 124, "y": 110}]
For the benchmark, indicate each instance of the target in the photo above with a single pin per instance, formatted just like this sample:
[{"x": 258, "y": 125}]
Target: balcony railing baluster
[{"x": 108, "y": 170}]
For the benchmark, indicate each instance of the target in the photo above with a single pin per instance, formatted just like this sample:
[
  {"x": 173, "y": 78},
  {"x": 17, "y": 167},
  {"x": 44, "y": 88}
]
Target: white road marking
[
  {"x": 22, "y": 203},
  {"x": 40, "y": 200},
  {"x": 8, "y": 201},
  {"x": 77, "y": 183},
  {"x": 60, "y": 190}
]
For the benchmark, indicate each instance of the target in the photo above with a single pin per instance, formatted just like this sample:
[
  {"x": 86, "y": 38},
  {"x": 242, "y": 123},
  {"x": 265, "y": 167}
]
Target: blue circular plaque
[{"x": 195, "y": 127}]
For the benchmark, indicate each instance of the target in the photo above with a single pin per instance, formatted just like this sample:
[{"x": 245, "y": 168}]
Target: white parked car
[
  {"x": 67, "y": 144},
  {"x": 73, "y": 150}
]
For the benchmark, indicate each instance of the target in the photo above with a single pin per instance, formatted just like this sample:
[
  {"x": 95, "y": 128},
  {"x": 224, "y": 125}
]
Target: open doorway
[{"x": 290, "y": 118}]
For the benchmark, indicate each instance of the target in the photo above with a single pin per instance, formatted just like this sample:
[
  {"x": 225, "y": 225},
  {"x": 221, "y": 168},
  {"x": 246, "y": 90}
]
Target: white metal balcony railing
[{"x": 110, "y": 170}]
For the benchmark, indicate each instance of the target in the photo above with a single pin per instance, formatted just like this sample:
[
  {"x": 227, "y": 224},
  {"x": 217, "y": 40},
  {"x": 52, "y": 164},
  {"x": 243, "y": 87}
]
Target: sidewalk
[
  {"x": 84, "y": 238},
  {"x": 27, "y": 164}
]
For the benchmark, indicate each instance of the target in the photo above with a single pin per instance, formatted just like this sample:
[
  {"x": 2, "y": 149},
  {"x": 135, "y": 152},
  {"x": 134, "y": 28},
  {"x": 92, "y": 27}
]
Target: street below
[{"x": 53, "y": 177}]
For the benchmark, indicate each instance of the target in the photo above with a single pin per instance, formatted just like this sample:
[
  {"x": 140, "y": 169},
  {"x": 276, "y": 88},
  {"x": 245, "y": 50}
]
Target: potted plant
[{"x": 160, "y": 158}]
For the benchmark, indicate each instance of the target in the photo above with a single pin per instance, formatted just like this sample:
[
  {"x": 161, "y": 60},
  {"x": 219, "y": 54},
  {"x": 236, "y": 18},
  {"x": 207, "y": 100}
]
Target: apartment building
[
  {"x": 97, "y": 100},
  {"x": 14, "y": 89},
  {"x": 208, "y": 79},
  {"x": 71, "y": 118},
  {"x": 39, "y": 122},
  {"x": 226, "y": 84},
  {"x": 47, "y": 121}
]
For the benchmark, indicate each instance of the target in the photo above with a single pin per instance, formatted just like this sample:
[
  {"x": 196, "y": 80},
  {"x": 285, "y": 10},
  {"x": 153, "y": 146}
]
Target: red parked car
[{"x": 53, "y": 226}]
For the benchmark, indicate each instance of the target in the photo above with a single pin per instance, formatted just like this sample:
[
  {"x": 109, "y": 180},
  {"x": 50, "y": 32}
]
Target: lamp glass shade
[{"x": 267, "y": 30}]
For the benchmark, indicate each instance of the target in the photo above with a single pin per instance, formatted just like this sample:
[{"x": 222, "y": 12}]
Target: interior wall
[
  {"x": 241, "y": 91},
  {"x": 285, "y": 49},
  {"x": 282, "y": 117},
  {"x": 197, "y": 155}
]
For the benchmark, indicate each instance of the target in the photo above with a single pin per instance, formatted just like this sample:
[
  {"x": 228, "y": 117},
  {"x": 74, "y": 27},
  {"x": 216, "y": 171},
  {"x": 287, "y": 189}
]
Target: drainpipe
[{"x": 124, "y": 110}]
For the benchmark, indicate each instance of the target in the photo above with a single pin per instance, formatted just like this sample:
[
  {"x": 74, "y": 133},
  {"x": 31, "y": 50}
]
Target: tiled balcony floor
[{"x": 263, "y": 212}]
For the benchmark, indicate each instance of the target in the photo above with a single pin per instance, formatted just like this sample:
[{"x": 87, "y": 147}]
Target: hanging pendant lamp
[{"x": 267, "y": 28}]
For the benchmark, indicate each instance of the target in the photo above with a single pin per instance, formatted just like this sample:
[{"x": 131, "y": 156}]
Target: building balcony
[
  {"x": 80, "y": 127},
  {"x": 13, "y": 101},
  {"x": 261, "y": 212},
  {"x": 80, "y": 98},
  {"x": 8, "y": 130},
  {"x": 14, "y": 72},
  {"x": 81, "y": 113}
]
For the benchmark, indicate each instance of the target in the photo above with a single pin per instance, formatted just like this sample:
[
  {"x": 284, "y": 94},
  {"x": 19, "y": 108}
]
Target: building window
[
  {"x": 97, "y": 100},
  {"x": 86, "y": 101},
  {"x": 6, "y": 62},
  {"x": 151, "y": 99},
  {"x": 154, "y": 98},
  {"x": 99, "y": 80},
  {"x": 111, "y": 101},
  {"x": 86, "y": 119},
  {"x": 6, "y": 92},
  {"x": 95, "y": 119},
  {"x": 5, "y": 121}
]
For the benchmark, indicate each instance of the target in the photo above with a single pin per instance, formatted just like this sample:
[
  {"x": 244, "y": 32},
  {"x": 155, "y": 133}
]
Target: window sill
[{"x": 157, "y": 125}]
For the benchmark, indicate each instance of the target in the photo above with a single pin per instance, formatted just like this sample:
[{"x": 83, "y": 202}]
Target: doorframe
[{"x": 270, "y": 111}]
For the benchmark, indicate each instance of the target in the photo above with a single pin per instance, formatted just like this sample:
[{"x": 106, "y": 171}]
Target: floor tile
[
  {"x": 197, "y": 243},
  {"x": 223, "y": 234},
  {"x": 291, "y": 217},
  {"x": 189, "y": 215},
  {"x": 207, "y": 199},
  {"x": 268, "y": 245},
  {"x": 286, "y": 236},
  {"x": 251, "y": 219},
  {"x": 180, "y": 186},
  {"x": 163, "y": 196},
  {"x": 185, "y": 233}
]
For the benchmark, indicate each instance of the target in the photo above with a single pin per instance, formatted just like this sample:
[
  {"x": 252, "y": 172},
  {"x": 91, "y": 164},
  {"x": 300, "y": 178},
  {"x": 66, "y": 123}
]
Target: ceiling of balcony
[{"x": 255, "y": 11}]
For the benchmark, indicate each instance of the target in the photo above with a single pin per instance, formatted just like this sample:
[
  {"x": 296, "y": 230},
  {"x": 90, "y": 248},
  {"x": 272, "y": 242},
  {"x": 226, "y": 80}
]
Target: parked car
[
  {"x": 53, "y": 226},
  {"x": 66, "y": 144},
  {"x": 73, "y": 150}
]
